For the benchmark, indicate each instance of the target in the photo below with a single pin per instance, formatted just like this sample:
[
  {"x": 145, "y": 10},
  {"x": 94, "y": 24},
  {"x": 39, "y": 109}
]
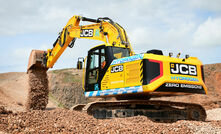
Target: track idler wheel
[{"x": 197, "y": 114}]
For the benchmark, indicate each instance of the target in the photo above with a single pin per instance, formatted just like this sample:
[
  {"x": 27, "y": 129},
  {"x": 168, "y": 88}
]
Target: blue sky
[{"x": 187, "y": 26}]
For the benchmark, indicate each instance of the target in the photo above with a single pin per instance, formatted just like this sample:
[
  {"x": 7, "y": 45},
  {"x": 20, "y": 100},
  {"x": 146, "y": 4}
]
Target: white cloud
[
  {"x": 174, "y": 37},
  {"x": 21, "y": 53},
  {"x": 208, "y": 33},
  {"x": 212, "y": 5},
  {"x": 50, "y": 16},
  {"x": 141, "y": 36}
]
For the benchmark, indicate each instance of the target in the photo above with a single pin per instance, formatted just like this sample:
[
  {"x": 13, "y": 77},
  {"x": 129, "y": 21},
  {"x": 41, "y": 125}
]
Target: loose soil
[
  {"x": 38, "y": 89},
  {"x": 67, "y": 121}
]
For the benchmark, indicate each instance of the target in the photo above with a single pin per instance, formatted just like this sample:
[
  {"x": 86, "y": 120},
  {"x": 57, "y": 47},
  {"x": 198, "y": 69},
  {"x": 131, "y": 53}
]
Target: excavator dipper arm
[{"x": 103, "y": 29}]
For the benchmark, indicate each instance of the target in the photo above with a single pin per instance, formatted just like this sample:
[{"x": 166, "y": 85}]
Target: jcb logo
[
  {"x": 87, "y": 33},
  {"x": 185, "y": 69},
  {"x": 116, "y": 69}
]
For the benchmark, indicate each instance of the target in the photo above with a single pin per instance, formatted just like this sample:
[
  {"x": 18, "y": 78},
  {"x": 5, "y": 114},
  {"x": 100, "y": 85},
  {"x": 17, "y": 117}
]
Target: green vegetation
[
  {"x": 53, "y": 99},
  {"x": 70, "y": 78},
  {"x": 59, "y": 71},
  {"x": 66, "y": 75}
]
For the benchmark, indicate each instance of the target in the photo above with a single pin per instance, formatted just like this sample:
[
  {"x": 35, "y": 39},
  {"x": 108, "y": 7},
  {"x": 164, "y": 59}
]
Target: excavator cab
[
  {"x": 98, "y": 61},
  {"x": 80, "y": 63}
]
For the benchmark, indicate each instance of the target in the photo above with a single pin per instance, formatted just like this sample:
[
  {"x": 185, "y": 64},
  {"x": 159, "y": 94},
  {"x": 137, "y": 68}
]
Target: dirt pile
[
  {"x": 38, "y": 89},
  {"x": 67, "y": 121},
  {"x": 13, "y": 87},
  {"x": 4, "y": 111},
  {"x": 212, "y": 74}
]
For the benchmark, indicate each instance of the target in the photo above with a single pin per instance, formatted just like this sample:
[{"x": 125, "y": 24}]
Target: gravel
[
  {"x": 204, "y": 128},
  {"x": 38, "y": 89},
  {"x": 4, "y": 111},
  {"x": 68, "y": 121},
  {"x": 212, "y": 114}
]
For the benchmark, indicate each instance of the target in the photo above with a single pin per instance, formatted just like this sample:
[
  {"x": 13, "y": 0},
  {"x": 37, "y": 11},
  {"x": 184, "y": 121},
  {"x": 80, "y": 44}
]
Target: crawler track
[{"x": 160, "y": 111}]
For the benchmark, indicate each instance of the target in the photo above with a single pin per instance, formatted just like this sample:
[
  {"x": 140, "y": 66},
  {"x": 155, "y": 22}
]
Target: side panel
[
  {"x": 133, "y": 73},
  {"x": 179, "y": 75},
  {"x": 117, "y": 75},
  {"x": 125, "y": 72}
]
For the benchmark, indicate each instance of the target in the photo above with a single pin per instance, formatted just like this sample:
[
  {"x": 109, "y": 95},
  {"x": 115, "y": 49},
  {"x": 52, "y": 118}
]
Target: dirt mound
[
  {"x": 4, "y": 111},
  {"x": 38, "y": 89},
  {"x": 67, "y": 121},
  {"x": 212, "y": 74},
  {"x": 12, "y": 90}
]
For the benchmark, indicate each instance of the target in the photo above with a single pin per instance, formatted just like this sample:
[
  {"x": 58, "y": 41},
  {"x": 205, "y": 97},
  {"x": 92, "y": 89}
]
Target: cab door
[{"x": 96, "y": 65}]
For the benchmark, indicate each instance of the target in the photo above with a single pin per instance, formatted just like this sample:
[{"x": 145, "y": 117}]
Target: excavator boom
[{"x": 104, "y": 29}]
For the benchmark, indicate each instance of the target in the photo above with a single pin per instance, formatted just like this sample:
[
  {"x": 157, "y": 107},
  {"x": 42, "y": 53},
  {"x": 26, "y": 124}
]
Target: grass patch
[
  {"x": 60, "y": 70},
  {"x": 70, "y": 78},
  {"x": 57, "y": 71},
  {"x": 54, "y": 100}
]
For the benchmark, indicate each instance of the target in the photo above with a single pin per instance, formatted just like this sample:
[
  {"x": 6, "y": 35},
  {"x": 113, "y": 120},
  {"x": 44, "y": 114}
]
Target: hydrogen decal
[
  {"x": 178, "y": 85},
  {"x": 97, "y": 32},
  {"x": 184, "y": 78},
  {"x": 116, "y": 69},
  {"x": 87, "y": 33},
  {"x": 127, "y": 59},
  {"x": 185, "y": 69}
]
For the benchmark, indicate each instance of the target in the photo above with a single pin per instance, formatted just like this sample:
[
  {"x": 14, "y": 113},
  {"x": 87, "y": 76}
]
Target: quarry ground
[{"x": 65, "y": 91}]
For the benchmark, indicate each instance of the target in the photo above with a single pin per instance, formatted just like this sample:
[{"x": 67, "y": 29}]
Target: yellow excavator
[{"x": 113, "y": 69}]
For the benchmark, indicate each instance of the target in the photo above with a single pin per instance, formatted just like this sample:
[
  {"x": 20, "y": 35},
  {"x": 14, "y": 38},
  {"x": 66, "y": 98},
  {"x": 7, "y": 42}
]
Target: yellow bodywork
[
  {"x": 111, "y": 34},
  {"x": 132, "y": 74}
]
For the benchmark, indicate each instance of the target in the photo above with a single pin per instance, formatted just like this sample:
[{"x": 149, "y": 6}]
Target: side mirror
[{"x": 80, "y": 63}]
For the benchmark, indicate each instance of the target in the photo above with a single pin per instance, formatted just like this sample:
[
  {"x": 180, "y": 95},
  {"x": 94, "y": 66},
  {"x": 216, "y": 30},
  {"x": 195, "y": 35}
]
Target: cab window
[
  {"x": 94, "y": 59},
  {"x": 119, "y": 52},
  {"x": 103, "y": 60}
]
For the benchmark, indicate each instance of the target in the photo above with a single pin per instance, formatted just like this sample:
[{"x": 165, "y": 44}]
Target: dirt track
[{"x": 13, "y": 93}]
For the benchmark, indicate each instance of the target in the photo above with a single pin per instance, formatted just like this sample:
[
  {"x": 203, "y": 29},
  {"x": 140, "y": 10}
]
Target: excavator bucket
[
  {"x": 36, "y": 59},
  {"x": 37, "y": 98}
]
